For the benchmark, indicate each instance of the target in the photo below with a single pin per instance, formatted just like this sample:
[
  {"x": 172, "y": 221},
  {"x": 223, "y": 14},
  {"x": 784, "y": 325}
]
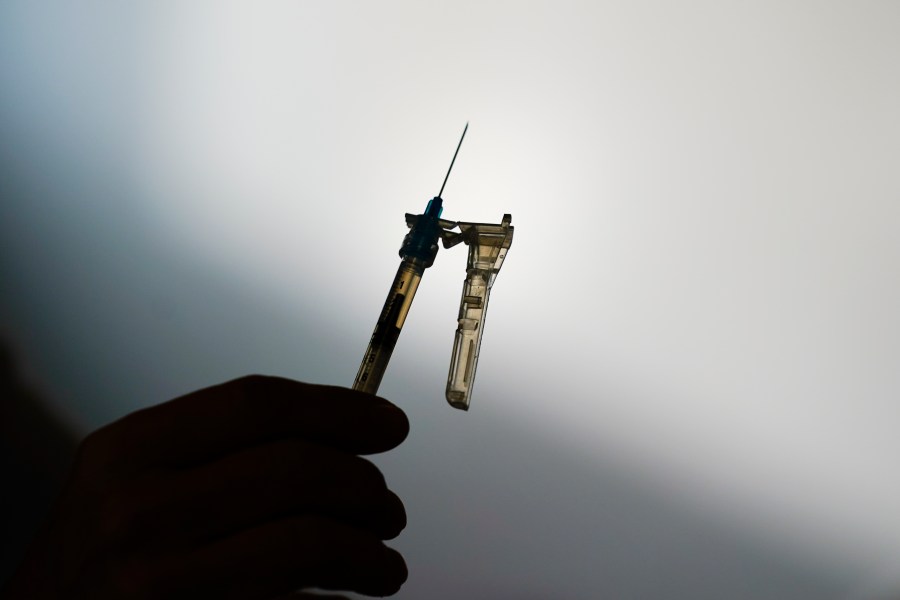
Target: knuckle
[
  {"x": 256, "y": 398},
  {"x": 253, "y": 382},
  {"x": 246, "y": 390},
  {"x": 255, "y": 385}
]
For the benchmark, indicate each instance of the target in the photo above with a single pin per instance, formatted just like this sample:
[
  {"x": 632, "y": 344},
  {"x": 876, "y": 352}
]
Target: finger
[
  {"x": 277, "y": 480},
  {"x": 288, "y": 555},
  {"x": 311, "y": 596},
  {"x": 245, "y": 412}
]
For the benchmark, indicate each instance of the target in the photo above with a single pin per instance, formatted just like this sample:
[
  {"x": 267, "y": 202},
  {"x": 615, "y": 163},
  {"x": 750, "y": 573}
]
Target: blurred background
[{"x": 689, "y": 381}]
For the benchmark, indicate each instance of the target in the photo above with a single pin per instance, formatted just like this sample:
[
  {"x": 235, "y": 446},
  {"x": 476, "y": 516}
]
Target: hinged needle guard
[{"x": 488, "y": 244}]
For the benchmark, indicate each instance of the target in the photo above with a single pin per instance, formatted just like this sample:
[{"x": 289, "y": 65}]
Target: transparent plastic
[
  {"x": 390, "y": 322},
  {"x": 488, "y": 244}
]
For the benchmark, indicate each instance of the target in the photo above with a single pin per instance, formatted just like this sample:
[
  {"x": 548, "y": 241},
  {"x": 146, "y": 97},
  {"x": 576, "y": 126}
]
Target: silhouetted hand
[{"x": 250, "y": 489}]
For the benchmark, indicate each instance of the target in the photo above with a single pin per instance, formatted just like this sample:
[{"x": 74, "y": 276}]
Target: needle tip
[{"x": 454, "y": 159}]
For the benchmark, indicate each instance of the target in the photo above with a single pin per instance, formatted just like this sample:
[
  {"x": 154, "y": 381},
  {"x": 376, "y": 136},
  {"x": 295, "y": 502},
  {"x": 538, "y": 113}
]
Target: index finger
[{"x": 214, "y": 421}]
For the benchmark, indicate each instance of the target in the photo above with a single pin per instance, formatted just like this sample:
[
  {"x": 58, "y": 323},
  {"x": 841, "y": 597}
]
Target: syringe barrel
[{"x": 390, "y": 322}]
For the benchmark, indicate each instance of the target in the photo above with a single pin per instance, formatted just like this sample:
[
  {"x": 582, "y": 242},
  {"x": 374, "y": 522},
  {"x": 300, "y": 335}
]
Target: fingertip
[
  {"x": 394, "y": 419},
  {"x": 393, "y": 517},
  {"x": 394, "y": 573},
  {"x": 364, "y": 565}
]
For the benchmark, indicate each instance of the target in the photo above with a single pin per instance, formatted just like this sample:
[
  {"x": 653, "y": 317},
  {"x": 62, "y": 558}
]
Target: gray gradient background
[{"x": 688, "y": 385}]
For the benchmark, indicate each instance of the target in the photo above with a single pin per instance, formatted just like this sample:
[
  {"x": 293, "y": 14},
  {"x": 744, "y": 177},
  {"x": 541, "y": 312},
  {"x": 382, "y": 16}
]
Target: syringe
[{"x": 418, "y": 252}]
